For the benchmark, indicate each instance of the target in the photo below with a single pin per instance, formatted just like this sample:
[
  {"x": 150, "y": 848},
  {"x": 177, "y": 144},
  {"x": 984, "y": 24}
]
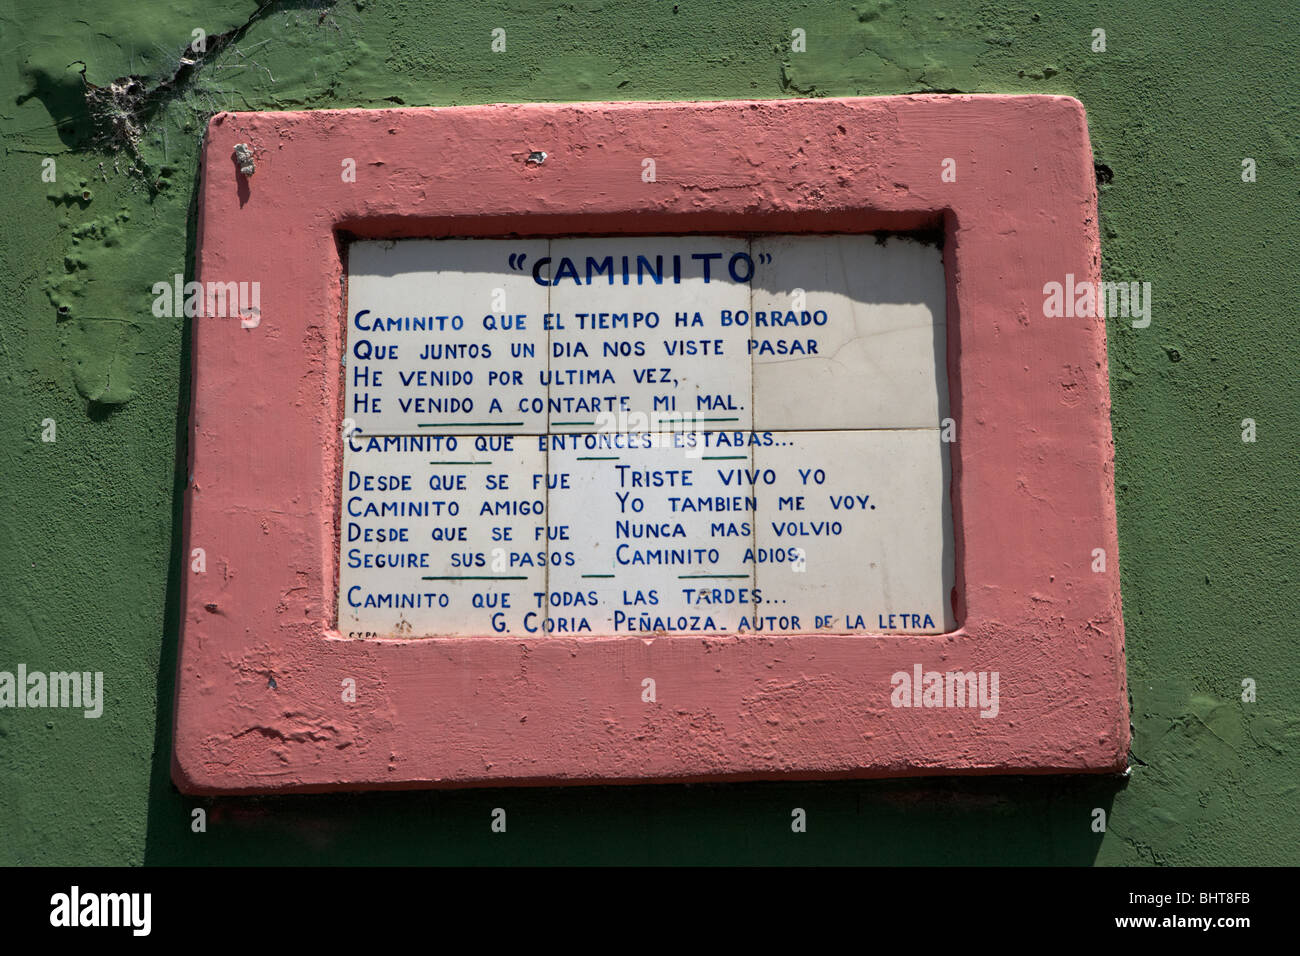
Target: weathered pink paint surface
[{"x": 1033, "y": 490}]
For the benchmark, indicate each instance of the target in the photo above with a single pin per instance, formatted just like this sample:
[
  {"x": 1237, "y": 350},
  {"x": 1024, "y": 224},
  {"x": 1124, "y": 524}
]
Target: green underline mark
[
  {"x": 685, "y": 577},
  {"x": 474, "y": 577},
  {"x": 725, "y": 457},
  {"x": 593, "y": 458},
  {"x": 468, "y": 424},
  {"x": 598, "y": 575},
  {"x": 460, "y": 462},
  {"x": 573, "y": 423},
  {"x": 682, "y": 418}
]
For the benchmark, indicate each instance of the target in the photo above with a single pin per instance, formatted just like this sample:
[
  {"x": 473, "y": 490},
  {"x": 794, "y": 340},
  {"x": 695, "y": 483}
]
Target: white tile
[
  {"x": 629, "y": 344},
  {"x": 656, "y": 536},
  {"x": 854, "y": 533},
  {"x": 470, "y": 559},
  {"x": 873, "y": 352},
  {"x": 439, "y": 377},
  {"x": 844, "y": 478}
]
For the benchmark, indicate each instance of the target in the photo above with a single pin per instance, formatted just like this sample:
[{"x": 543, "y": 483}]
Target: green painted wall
[{"x": 89, "y": 556}]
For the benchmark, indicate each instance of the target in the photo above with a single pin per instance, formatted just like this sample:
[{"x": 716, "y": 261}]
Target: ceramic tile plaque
[
  {"x": 651, "y": 435},
  {"x": 649, "y": 442}
]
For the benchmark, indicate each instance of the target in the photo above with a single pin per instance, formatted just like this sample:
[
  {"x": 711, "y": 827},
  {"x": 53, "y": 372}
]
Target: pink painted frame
[{"x": 259, "y": 703}]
